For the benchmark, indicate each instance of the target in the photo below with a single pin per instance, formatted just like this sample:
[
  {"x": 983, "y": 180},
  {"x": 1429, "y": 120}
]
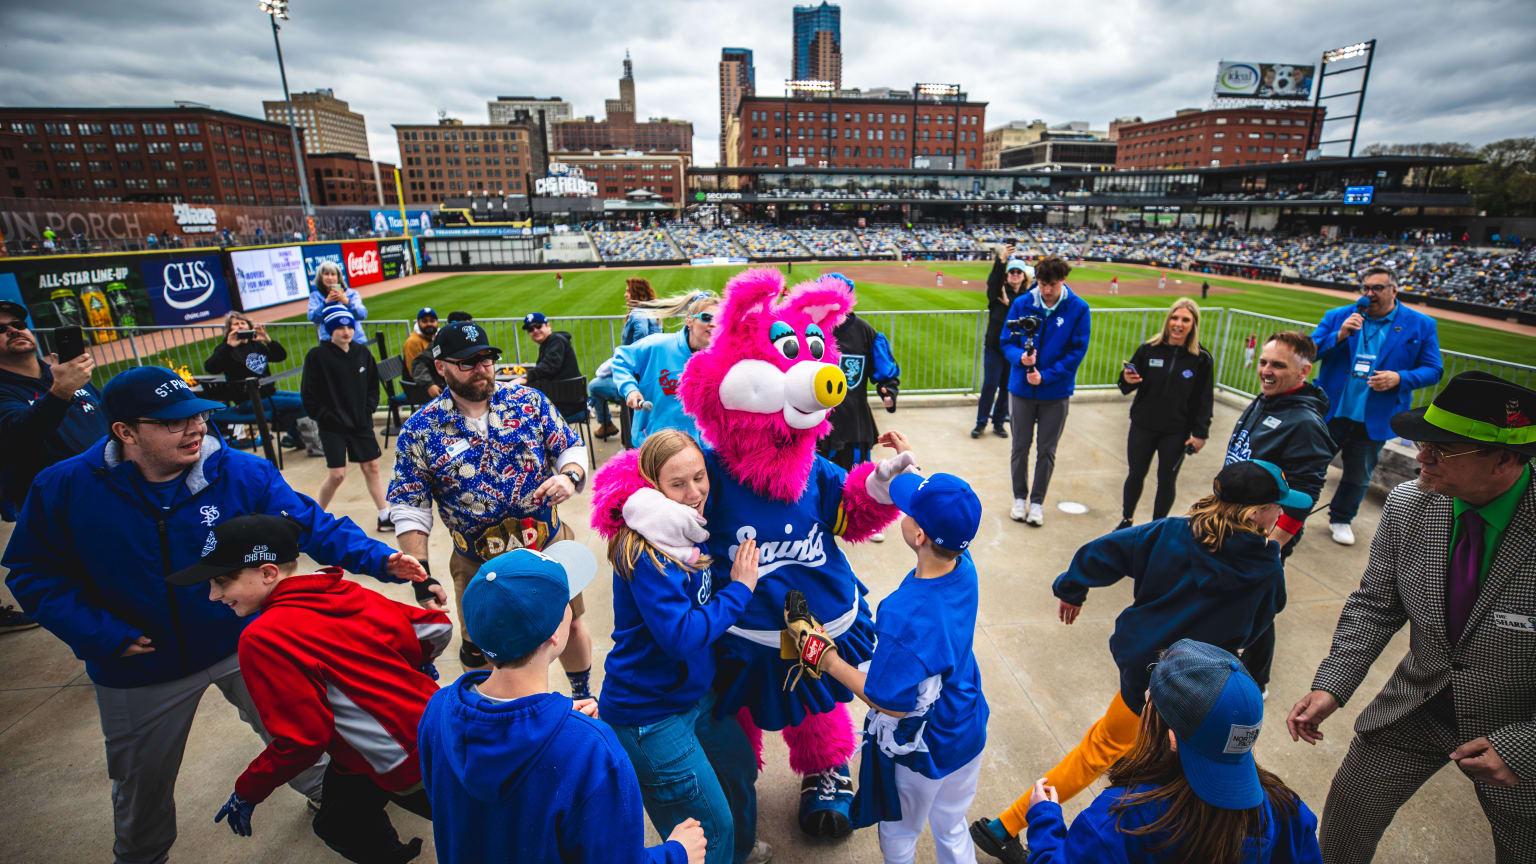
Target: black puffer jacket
[{"x": 1289, "y": 431}]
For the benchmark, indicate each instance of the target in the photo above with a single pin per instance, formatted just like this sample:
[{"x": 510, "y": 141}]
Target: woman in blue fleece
[
  {"x": 648, "y": 373},
  {"x": 656, "y": 686},
  {"x": 1189, "y": 790}
]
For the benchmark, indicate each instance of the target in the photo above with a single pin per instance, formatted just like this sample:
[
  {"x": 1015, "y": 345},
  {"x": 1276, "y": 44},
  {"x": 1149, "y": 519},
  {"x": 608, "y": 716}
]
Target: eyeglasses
[
  {"x": 473, "y": 363},
  {"x": 18, "y": 326},
  {"x": 1374, "y": 289},
  {"x": 1437, "y": 452},
  {"x": 181, "y": 424}
]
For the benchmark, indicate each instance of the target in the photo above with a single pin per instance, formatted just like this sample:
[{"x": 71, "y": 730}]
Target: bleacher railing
[{"x": 939, "y": 351}]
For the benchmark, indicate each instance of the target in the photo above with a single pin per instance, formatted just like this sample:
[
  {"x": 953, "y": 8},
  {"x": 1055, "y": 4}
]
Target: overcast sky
[{"x": 1460, "y": 72}]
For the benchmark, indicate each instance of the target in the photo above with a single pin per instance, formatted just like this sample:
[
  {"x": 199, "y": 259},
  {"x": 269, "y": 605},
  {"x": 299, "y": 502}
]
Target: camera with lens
[{"x": 1028, "y": 324}]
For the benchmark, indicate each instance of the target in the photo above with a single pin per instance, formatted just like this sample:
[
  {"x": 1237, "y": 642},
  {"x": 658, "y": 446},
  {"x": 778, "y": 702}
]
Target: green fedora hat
[{"x": 1475, "y": 408}]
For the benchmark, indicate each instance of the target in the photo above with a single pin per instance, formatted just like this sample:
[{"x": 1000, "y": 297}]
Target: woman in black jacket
[
  {"x": 248, "y": 352},
  {"x": 1009, "y": 278},
  {"x": 1174, "y": 381}
]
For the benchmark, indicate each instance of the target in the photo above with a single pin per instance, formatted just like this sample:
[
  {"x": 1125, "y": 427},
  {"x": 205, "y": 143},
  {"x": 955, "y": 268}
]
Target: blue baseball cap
[
  {"x": 1215, "y": 711},
  {"x": 841, "y": 278},
  {"x": 426, "y": 312},
  {"x": 944, "y": 506},
  {"x": 1255, "y": 481},
  {"x": 534, "y": 319},
  {"x": 518, "y": 598},
  {"x": 152, "y": 392},
  {"x": 1016, "y": 264},
  {"x": 332, "y": 317}
]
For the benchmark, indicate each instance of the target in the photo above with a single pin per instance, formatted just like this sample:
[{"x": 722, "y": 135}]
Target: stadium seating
[
  {"x": 647, "y": 245},
  {"x": 697, "y": 242},
  {"x": 768, "y": 241}
]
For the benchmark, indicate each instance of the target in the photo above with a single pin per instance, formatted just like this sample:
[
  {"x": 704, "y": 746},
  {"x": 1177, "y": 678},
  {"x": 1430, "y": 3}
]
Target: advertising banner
[
  {"x": 1287, "y": 82},
  {"x": 395, "y": 259},
  {"x": 388, "y": 221},
  {"x": 360, "y": 261},
  {"x": 185, "y": 290},
  {"x": 267, "y": 277},
  {"x": 101, "y": 291},
  {"x": 315, "y": 253}
]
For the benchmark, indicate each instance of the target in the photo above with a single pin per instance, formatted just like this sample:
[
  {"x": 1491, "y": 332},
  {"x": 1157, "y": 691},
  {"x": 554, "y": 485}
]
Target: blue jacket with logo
[
  {"x": 40, "y": 429},
  {"x": 1060, "y": 344},
  {"x": 654, "y": 366},
  {"x": 91, "y": 551},
  {"x": 1411, "y": 349}
]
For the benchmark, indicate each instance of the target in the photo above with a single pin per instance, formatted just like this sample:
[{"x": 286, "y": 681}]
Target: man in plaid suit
[{"x": 1455, "y": 557}]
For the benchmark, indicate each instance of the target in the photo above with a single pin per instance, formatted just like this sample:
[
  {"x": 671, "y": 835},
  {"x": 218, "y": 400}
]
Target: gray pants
[
  {"x": 1051, "y": 416},
  {"x": 146, "y": 730}
]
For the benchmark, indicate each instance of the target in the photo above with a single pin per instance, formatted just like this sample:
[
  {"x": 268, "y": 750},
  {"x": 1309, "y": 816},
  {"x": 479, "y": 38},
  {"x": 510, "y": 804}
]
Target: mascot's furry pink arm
[{"x": 761, "y": 393}]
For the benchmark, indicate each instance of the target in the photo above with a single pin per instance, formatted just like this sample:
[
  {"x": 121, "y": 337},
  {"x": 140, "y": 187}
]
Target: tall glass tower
[{"x": 818, "y": 43}]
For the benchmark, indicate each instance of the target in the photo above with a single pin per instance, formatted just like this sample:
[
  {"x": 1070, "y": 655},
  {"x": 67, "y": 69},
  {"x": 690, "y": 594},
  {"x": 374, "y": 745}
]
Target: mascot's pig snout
[{"x": 803, "y": 394}]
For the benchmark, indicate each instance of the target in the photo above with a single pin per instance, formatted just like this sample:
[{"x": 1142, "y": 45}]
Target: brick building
[
  {"x": 341, "y": 179},
  {"x": 860, "y": 132},
  {"x": 329, "y": 124},
  {"x": 184, "y": 153},
  {"x": 618, "y": 173},
  {"x": 619, "y": 130},
  {"x": 1193, "y": 138},
  {"x": 450, "y": 159}
]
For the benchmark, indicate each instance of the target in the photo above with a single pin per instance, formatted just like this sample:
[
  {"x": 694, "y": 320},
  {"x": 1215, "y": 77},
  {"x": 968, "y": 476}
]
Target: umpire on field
[{"x": 1454, "y": 558}]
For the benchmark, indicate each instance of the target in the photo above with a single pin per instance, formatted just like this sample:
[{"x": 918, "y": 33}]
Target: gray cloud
[{"x": 1438, "y": 76}]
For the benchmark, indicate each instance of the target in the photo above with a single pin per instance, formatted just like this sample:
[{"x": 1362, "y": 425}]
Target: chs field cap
[
  {"x": 1475, "y": 408},
  {"x": 152, "y": 392},
  {"x": 1257, "y": 482},
  {"x": 534, "y": 319},
  {"x": 244, "y": 541},
  {"x": 336, "y": 316},
  {"x": 1215, "y": 711},
  {"x": 518, "y": 598},
  {"x": 426, "y": 312},
  {"x": 460, "y": 339},
  {"x": 943, "y": 505}
]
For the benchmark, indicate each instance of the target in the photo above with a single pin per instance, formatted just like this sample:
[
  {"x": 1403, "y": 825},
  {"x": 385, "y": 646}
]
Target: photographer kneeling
[{"x": 1046, "y": 336}]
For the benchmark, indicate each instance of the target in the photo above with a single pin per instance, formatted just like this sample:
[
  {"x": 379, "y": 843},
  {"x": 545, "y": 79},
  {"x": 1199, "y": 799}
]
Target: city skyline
[{"x": 1143, "y": 58}]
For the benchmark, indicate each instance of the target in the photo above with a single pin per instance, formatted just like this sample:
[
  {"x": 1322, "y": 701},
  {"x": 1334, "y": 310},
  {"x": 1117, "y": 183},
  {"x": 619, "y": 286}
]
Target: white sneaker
[
  {"x": 1342, "y": 533},
  {"x": 1019, "y": 507},
  {"x": 761, "y": 853},
  {"x": 878, "y": 538},
  {"x": 1036, "y": 515}
]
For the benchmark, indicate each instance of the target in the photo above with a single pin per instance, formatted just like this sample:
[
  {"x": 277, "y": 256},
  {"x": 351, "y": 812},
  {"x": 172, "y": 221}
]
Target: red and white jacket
[{"x": 334, "y": 667}]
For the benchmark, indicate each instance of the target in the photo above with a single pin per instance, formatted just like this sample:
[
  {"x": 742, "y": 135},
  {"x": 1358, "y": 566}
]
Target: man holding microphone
[{"x": 1374, "y": 353}]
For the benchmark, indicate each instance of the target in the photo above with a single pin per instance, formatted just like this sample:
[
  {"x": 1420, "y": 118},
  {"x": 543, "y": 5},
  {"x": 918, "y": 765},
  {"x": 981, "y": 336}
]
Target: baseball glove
[{"x": 803, "y": 640}]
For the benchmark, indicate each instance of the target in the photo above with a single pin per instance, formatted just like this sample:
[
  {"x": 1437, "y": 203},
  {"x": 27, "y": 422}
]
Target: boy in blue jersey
[{"x": 923, "y": 739}]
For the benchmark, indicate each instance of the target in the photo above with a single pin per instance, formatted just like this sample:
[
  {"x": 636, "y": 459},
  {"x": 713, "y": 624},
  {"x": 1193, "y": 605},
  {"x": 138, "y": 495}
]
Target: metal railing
[{"x": 939, "y": 351}]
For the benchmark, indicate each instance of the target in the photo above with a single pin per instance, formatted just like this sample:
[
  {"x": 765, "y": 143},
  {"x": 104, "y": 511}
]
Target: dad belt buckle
[{"x": 515, "y": 532}]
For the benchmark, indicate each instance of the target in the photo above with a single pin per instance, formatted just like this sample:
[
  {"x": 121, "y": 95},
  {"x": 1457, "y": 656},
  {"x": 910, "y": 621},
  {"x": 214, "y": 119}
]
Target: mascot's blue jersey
[{"x": 795, "y": 544}]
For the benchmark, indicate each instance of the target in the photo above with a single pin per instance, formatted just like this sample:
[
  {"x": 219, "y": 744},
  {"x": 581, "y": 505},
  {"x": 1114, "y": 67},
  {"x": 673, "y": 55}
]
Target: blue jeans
[
  {"x": 994, "y": 386},
  {"x": 1359, "y": 454},
  {"x": 695, "y": 765},
  {"x": 601, "y": 391}
]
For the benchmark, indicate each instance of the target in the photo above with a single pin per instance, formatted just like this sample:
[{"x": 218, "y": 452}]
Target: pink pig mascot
[{"x": 761, "y": 393}]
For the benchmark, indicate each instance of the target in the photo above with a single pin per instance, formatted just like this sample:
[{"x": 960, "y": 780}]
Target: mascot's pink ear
[
  {"x": 825, "y": 301},
  {"x": 751, "y": 291}
]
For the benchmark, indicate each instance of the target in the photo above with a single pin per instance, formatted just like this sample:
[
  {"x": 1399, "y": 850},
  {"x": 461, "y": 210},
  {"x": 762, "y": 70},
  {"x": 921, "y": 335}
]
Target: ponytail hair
[
  {"x": 680, "y": 305},
  {"x": 1213, "y": 520},
  {"x": 627, "y": 545}
]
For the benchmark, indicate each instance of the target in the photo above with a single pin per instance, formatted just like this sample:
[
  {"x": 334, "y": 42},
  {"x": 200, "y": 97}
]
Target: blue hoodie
[
  {"x": 1094, "y": 838},
  {"x": 90, "y": 554},
  {"x": 665, "y": 624},
  {"x": 1181, "y": 592},
  {"x": 654, "y": 366},
  {"x": 40, "y": 429},
  {"x": 529, "y": 780},
  {"x": 1060, "y": 344}
]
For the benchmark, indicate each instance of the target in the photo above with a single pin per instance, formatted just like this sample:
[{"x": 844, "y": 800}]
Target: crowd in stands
[
  {"x": 767, "y": 241},
  {"x": 947, "y": 239},
  {"x": 828, "y": 242},
  {"x": 650, "y": 244},
  {"x": 883, "y": 241},
  {"x": 698, "y": 242}
]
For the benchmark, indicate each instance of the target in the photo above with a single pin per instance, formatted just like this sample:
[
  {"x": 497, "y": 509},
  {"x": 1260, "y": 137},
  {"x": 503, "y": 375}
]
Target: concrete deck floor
[{"x": 1045, "y": 682}]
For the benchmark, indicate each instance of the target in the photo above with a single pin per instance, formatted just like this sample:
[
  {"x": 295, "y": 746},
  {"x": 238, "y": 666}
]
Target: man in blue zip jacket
[
  {"x": 1044, "y": 378},
  {"x": 1373, "y": 359},
  {"x": 96, "y": 539}
]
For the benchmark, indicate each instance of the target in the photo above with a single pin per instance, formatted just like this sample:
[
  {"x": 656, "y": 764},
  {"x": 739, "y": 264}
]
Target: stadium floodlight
[
  {"x": 1347, "y": 52},
  {"x": 811, "y": 85},
  {"x": 275, "y": 9},
  {"x": 938, "y": 89},
  {"x": 278, "y": 8}
]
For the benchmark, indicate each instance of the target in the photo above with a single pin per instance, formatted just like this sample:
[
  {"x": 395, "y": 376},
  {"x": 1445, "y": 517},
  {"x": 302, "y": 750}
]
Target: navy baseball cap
[
  {"x": 518, "y": 598},
  {"x": 944, "y": 506},
  {"x": 244, "y": 541},
  {"x": 152, "y": 392},
  {"x": 1215, "y": 711},
  {"x": 459, "y": 339},
  {"x": 426, "y": 312},
  {"x": 1255, "y": 481},
  {"x": 14, "y": 308},
  {"x": 534, "y": 319}
]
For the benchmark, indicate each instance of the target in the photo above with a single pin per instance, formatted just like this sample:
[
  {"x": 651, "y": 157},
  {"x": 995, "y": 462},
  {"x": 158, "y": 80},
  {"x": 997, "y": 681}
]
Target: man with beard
[
  {"x": 418, "y": 360},
  {"x": 498, "y": 460},
  {"x": 1284, "y": 426}
]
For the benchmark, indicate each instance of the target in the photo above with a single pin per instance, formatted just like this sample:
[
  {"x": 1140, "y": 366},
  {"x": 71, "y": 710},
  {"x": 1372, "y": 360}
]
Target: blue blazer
[{"x": 1411, "y": 349}]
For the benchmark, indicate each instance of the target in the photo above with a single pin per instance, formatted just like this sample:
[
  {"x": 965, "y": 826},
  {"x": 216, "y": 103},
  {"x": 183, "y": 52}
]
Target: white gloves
[
  {"x": 878, "y": 483},
  {"x": 669, "y": 526}
]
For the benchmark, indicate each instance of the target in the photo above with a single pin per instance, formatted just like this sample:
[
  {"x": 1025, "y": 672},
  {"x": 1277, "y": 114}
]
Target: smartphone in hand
[
  {"x": 1130, "y": 367},
  {"x": 69, "y": 342}
]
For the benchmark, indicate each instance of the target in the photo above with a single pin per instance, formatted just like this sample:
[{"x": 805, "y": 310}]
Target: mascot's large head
[{"x": 762, "y": 390}]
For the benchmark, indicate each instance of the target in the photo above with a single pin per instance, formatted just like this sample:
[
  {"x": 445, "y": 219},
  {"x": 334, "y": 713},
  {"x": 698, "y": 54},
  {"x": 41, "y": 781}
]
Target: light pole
[{"x": 275, "y": 9}]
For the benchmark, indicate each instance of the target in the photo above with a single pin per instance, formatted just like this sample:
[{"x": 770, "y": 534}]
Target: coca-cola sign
[{"x": 361, "y": 260}]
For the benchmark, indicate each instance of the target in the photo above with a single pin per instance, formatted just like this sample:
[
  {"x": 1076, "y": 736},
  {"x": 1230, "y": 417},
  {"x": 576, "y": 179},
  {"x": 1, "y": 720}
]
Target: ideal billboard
[
  {"x": 186, "y": 290},
  {"x": 1288, "y": 82},
  {"x": 360, "y": 261},
  {"x": 269, "y": 276}
]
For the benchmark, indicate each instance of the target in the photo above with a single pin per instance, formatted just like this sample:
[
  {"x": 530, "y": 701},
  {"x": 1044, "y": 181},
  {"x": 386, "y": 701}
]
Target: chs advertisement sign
[{"x": 186, "y": 290}]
